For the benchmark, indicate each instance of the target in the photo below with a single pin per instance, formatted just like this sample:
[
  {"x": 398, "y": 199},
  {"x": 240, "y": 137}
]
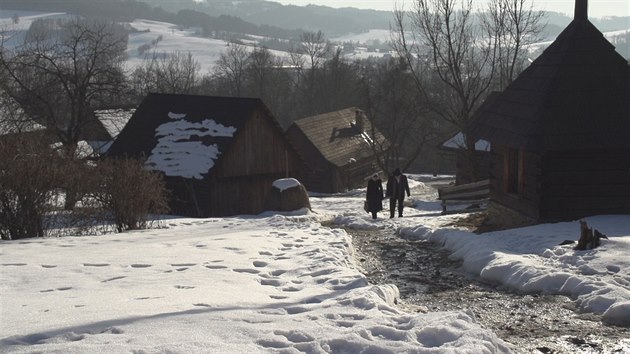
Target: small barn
[
  {"x": 456, "y": 143},
  {"x": 219, "y": 155},
  {"x": 101, "y": 131},
  {"x": 560, "y": 133},
  {"x": 470, "y": 169},
  {"x": 338, "y": 147}
]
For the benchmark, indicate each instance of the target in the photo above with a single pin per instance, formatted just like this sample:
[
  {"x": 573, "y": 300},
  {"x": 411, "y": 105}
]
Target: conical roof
[{"x": 575, "y": 95}]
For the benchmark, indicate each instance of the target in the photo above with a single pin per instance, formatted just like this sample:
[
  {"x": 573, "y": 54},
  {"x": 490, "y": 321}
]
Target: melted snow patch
[{"x": 176, "y": 155}]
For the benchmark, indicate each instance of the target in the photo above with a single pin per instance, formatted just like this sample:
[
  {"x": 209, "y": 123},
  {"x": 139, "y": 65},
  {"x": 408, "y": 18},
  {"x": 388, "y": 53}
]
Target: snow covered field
[
  {"x": 165, "y": 38},
  {"x": 281, "y": 283}
]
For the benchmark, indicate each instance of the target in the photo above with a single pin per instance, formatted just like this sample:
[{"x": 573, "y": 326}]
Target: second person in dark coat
[{"x": 397, "y": 185}]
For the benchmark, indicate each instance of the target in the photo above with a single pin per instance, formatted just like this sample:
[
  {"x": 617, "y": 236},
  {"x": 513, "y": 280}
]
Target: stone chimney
[
  {"x": 581, "y": 10},
  {"x": 359, "y": 120}
]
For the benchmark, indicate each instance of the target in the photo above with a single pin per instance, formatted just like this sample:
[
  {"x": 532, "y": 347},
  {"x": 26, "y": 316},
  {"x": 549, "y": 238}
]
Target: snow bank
[{"x": 531, "y": 260}]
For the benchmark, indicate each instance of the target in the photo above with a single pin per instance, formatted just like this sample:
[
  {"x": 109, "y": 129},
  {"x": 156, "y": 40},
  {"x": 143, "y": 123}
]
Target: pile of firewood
[{"x": 589, "y": 238}]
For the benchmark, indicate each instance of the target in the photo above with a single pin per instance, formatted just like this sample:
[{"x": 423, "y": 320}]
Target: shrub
[
  {"x": 131, "y": 192},
  {"x": 29, "y": 173}
]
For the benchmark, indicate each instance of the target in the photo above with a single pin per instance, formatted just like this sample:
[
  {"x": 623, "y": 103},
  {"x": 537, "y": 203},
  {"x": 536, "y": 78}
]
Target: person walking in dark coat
[
  {"x": 397, "y": 185},
  {"x": 374, "y": 195}
]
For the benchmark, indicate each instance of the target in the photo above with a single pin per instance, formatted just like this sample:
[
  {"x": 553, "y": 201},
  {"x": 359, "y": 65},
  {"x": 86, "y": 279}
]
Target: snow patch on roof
[
  {"x": 458, "y": 142},
  {"x": 176, "y": 154}
]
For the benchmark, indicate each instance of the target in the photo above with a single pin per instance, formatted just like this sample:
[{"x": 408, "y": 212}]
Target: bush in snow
[
  {"x": 130, "y": 192},
  {"x": 29, "y": 174}
]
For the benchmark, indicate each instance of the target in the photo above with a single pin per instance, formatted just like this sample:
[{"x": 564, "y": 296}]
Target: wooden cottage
[
  {"x": 101, "y": 131},
  {"x": 560, "y": 133},
  {"x": 470, "y": 169},
  {"x": 219, "y": 155},
  {"x": 338, "y": 148}
]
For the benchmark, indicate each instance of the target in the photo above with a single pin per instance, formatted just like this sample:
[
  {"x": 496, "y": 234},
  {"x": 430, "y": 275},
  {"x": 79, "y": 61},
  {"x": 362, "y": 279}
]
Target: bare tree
[
  {"x": 61, "y": 72},
  {"x": 516, "y": 25},
  {"x": 315, "y": 47},
  {"x": 459, "y": 55},
  {"x": 231, "y": 66},
  {"x": 454, "y": 60},
  {"x": 176, "y": 72},
  {"x": 58, "y": 77},
  {"x": 398, "y": 112}
]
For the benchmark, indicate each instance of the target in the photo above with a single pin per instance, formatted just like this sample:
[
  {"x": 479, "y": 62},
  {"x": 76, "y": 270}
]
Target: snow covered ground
[{"x": 281, "y": 283}]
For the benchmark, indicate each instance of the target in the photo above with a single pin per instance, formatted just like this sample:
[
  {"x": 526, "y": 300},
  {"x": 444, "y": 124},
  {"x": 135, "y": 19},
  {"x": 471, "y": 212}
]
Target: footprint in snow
[
  {"x": 209, "y": 266},
  {"x": 270, "y": 282},
  {"x": 291, "y": 289},
  {"x": 112, "y": 279},
  {"x": 246, "y": 270},
  {"x": 183, "y": 287},
  {"x": 141, "y": 265}
]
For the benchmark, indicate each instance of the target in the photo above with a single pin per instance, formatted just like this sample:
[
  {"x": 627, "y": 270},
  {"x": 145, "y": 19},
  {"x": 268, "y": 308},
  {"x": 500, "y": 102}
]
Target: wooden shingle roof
[
  {"x": 185, "y": 135},
  {"x": 575, "y": 95},
  {"x": 338, "y": 136}
]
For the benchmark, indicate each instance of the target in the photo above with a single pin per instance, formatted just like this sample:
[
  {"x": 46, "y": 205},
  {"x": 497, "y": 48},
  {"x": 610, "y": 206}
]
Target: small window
[{"x": 513, "y": 171}]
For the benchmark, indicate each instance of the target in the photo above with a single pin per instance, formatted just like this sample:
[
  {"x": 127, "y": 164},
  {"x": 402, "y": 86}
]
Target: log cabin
[
  {"x": 219, "y": 155},
  {"x": 339, "y": 148},
  {"x": 560, "y": 133}
]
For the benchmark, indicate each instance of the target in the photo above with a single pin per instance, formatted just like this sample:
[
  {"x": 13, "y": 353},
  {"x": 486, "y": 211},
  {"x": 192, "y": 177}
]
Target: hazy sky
[{"x": 597, "y": 8}]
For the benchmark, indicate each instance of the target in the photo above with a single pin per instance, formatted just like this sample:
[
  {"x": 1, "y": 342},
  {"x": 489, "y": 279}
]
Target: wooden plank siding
[
  {"x": 583, "y": 183},
  {"x": 528, "y": 197},
  {"x": 258, "y": 150}
]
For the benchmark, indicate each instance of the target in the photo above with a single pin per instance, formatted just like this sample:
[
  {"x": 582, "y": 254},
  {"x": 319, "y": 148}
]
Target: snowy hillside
[{"x": 160, "y": 37}]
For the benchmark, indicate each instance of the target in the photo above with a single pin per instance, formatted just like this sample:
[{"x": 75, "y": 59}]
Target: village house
[
  {"x": 219, "y": 155},
  {"x": 339, "y": 148},
  {"x": 101, "y": 131},
  {"x": 467, "y": 169},
  {"x": 560, "y": 133}
]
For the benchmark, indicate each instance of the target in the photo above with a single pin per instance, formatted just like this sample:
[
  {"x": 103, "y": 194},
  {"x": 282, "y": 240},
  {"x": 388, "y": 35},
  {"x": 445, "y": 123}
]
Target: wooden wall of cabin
[
  {"x": 479, "y": 170},
  {"x": 356, "y": 174},
  {"x": 318, "y": 175},
  {"x": 526, "y": 200},
  {"x": 259, "y": 149},
  {"x": 583, "y": 183},
  {"x": 220, "y": 197},
  {"x": 187, "y": 197},
  {"x": 240, "y": 195}
]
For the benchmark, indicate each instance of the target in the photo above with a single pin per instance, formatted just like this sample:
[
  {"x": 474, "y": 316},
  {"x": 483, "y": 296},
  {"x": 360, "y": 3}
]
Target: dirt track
[{"x": 429, "y": 281}]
